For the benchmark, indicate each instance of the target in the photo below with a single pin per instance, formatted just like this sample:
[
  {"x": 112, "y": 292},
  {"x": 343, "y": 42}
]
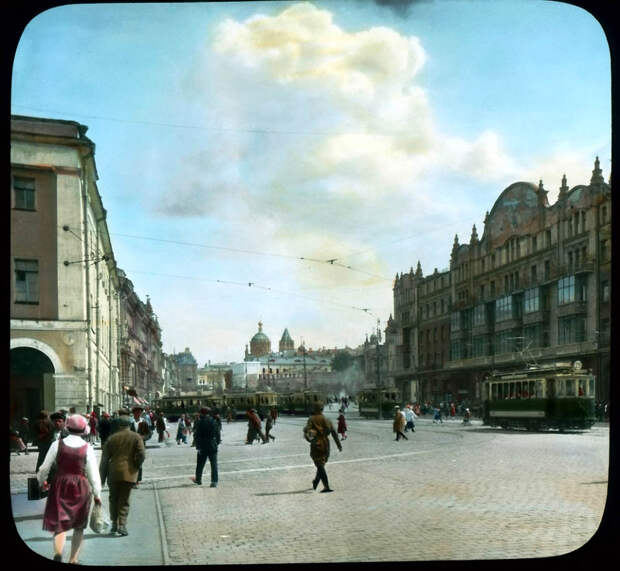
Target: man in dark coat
[
  {"x": 122, "y": 457},
  {"x": 42, "y": 436},
  {"x": 317, "y": 432},
  {"x": 105, "y": 428},
  {"x": 254, "y": 427},
  {"x": 207, "y": 434}
]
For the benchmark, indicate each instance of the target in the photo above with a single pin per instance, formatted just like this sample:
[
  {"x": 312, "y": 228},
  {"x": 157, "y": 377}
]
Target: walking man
[
  {"x": 254, "y": 427},
  {"x": 208, "y": 438},
  {"x": 122, "y": 458},
  {"x": 410, "y": 416},
  {"x": 399, "y": 423},
  {"x": 268, "y": 427},
  {"x": 317, "y": 431},
  {"x": 160, "y": 425}
]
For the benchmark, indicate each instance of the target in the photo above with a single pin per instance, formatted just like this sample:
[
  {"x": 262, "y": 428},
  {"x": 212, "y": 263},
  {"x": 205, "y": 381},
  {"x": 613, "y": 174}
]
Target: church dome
[{"x": 260, "y": 343}]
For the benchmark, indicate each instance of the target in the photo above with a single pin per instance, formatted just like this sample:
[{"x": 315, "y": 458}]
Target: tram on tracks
[
  {"x": 554, "y": 396},
  {"x": 300, "y": 402},
  {"x": 370, "y": 401}
]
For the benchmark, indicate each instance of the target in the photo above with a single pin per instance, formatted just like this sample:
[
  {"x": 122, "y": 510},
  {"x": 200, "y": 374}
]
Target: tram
[
  {"x": 174, "y": 406},
  {"x": 300, "y": 402},
  {"x": 558, "y": 395},
  {"x": 370, "y": 401},
  {"x": 240, "y": 402}
]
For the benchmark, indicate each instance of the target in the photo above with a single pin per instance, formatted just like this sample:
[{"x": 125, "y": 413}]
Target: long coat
[
  {"x": 317, "y": 431},
  {"x": 399, "y": 422},
  {"x": 123, "y": 454}
]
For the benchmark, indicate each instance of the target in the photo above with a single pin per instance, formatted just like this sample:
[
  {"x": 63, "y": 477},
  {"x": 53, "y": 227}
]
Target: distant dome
[{"x": 260, "y": 343}]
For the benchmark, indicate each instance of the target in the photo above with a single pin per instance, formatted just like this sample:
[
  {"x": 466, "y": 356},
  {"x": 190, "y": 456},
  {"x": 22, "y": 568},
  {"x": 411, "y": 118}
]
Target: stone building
[
  {"x": 286, "y": 343},
  {"x": 140, "y": 346},
  {"x": 187, "y": 371},
  {"x": 64, "y": 303},
  {"x": 534, "y": 288}
]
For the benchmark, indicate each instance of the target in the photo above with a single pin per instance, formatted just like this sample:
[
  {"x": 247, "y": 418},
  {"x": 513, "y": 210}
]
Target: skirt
[{"x": 68, "y": 503}]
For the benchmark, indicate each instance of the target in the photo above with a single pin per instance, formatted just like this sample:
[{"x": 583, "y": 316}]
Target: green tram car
[
  {"x": 369, "y": 401},
  {"x": 559, "y": 396},
  {"x": 239, "y": 403},
  {"x": 300, "y": 402},
  {"x": 174, "y": 406}
]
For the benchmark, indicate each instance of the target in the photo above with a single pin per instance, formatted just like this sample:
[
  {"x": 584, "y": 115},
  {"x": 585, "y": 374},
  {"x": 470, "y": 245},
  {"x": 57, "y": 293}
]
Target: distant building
[
  {"x": 535, "y": 288},
  {"x": 187, "y": 370}
]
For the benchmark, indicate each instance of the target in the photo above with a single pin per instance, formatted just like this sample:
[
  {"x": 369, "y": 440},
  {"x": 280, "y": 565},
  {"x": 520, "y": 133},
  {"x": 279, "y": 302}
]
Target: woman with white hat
[{"x": 76, "y": 480}]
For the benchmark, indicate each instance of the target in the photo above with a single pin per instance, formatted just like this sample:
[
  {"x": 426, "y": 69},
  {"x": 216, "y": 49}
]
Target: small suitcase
[{"x": 34, "y": 490}]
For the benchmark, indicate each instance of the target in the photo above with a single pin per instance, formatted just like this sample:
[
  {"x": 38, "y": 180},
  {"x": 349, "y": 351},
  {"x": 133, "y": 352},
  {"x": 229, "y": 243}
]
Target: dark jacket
[
  {"x": 207, "y": 434},
  {"x": 105, "y": 428}
]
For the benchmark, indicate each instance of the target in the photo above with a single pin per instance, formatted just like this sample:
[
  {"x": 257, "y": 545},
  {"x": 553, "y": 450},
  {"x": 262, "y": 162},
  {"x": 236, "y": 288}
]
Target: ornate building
[
  {"x": 259, "y": 344},
  {"x": 534, "y": 288},
  {"x": 286, "y": 343},
  {"x": 140, "y": 345},
  {"x": 187, "y": 370}
]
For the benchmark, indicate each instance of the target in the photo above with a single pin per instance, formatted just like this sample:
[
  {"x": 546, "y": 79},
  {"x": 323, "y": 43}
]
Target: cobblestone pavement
[{"x": 450, "y": 492}]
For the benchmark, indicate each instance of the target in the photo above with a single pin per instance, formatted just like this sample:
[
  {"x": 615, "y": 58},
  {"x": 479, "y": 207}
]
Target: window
[
  {"x": 532, "y": 335},
  {"x": 26, "y": 281},
  {"x": 605, "y": 291},
  {"x": 533, "y": 273},
  {"x": 533, "y": 243},
  {"x": 493, "y": 289},
  {"x": 479, "y": 315},
  {"x": 503, "y": 308},
  {"x": 547, "y": 269},
  {"x": 480, "y": 346},
  {"x": 566, "y": 290},
  {"x": 583, "y": 220},
  {"x": 456, "y": 350},
  {"x": 531, "y": 300},
  {"x": 571, "y": 329},
  {"x": 548, "y": 238},
  {"x": 455, "y": 321},
  {"x": 504, "y": 342},
  {"x": 24, "y": 193}
]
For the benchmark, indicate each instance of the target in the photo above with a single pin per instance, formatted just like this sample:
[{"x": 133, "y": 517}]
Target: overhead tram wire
[
  {"x": 257, "y": 286},
  {"x": 332, "y": 261}
]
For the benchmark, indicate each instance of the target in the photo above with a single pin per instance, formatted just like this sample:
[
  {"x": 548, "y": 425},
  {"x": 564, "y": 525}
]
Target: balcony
[{"x": 574, "y": 308}]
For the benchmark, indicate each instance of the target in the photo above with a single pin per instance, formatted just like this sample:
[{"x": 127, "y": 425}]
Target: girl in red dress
[
  {"x": 75, "y": 481},
  {"x": 342, "y": 426}
]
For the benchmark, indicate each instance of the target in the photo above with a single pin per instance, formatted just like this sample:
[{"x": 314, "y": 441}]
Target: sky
[{"x": 282, "y": 161}]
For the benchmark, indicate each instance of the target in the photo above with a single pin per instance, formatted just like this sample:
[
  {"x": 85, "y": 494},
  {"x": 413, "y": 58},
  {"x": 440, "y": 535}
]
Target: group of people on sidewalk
[{"x": 68, "y": 470}]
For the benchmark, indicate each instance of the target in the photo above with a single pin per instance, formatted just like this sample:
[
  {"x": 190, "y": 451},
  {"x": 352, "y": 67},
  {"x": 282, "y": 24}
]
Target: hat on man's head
[
  {"x": 57, "y": 416},
  {"x": 76, "y": 424},
  {"x": 318, "y": 407}
]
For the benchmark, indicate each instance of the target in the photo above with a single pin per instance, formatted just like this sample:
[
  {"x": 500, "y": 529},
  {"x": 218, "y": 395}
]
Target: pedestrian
[
  {"x": 317, "y": 432},
  {"x": 452, "y": 410},
  {"x": 268, "y": 427},
  {"x": 93, "y": 422},
  {"x": 24, "y": 431},
  {"x": 181, "y": 430},
  {"x": 75, "y": 483},
  {"x": 466, "y": 416},
  {"x": 160, "y": 426},
  {"x": 120, "y": 417},
  {"x": 121, "y": 464},
  {"x": 208, "y": 438},
  {"x": 342, "y": 426},
  {"x": 410, "y": 417},
  {"x": 437, "y": 415},
  {"x": 16, "y": 442},
  {"x": 105, "y": 428},
  {"x": 58, "y": 419},
  {"x": 399, "y": 423},
  {"x": 274, "y": 414},
  {"x": 43, "y": 435},
  {"x": 140, "y": 427},
  {"x": 254, "y": 427}
]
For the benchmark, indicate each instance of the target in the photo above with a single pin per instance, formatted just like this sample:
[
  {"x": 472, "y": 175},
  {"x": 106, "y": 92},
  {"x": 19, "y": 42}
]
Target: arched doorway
[{"x": 30, "y": 370}]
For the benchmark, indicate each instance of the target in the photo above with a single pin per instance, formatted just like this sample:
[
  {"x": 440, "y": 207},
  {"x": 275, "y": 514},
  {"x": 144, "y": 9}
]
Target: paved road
[{"x": 449, "y": 492}]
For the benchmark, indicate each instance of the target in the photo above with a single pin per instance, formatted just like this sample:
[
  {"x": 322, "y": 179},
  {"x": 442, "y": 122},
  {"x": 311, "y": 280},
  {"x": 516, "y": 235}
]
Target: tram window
[
  {"x": 512, "y": 390},
  {"x": 560, "y": 387},
  {"x": 582, "y": 388},
  {"x": 532, "y": 389},
  {"x": 550, "y": 388},
  {"x": 518, "y": 390},
  {"x": 591, "y": 387},
  {"x": 494, "y": 391},
  {"x": 570, "y": 387}
]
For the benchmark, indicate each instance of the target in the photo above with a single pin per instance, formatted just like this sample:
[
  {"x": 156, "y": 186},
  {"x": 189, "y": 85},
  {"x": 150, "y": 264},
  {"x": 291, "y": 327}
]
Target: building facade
[
  {"x": 64, "y": 281},
  {"x": 140, "y": 346},
  {"x": 535, "y": 288},
  {"x": 187, "y": 371}
]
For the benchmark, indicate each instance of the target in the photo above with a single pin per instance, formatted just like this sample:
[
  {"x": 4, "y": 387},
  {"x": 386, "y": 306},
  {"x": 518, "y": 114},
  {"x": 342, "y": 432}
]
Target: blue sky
[{"x": 235, "y": 139}]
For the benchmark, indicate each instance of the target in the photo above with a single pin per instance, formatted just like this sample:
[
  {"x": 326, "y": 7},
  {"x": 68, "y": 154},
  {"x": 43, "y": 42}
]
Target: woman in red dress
[
  {"x": 75, "y": 482},
  {"x": 342, "y": 425}
]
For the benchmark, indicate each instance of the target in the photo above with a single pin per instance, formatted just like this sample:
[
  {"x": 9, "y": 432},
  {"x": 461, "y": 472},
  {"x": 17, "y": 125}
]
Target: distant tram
[
  {"x": 370, "y": 400},
  {"x": 300, "y": 402},
  {"x": 560, "y": 395}
]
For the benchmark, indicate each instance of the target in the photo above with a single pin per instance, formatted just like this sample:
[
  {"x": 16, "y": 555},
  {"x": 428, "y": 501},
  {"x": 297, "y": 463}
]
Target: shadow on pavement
[{"x": 284, "y": 493}]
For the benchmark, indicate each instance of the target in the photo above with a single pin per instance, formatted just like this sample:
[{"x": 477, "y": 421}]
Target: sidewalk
[{"x": 143, "y": 545}]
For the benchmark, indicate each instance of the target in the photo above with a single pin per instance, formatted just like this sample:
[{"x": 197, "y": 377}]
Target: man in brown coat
[
  {"x": 122, "y": 457},
  {"x": 317, "y": 431}
]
